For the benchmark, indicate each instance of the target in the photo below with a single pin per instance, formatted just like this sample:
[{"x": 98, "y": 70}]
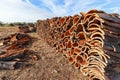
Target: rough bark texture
[
  {"x": 86, "y": 40},
  {"x": 14, "y": 51}
]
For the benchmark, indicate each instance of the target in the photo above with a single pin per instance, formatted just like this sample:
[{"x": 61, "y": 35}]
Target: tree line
[{"x": 14, "y": 24}]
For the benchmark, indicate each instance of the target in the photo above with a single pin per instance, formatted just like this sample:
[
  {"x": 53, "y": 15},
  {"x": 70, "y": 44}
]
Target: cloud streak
[
  {"x": 32, "y": 10},
  {"x": 20, "y": 11}
]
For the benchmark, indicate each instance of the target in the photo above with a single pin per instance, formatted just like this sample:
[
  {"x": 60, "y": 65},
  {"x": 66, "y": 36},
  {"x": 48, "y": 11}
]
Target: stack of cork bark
[
  {"x": 13, "y": 49},
  {"x": 27, "y": 28},
  {"x": 86, "y": 40}
]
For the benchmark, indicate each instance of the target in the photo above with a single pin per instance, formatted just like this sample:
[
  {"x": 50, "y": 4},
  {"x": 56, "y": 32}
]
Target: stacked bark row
[{"x": 85, "y": 40}]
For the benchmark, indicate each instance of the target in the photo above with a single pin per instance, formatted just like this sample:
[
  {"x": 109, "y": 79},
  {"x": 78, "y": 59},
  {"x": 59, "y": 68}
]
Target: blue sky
[{"x": 32, "y": 10}]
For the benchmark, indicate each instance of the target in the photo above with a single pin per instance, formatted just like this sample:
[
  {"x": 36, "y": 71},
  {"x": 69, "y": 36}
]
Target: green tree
[
  {"x": 11, "y": 24},
  {"x": 1, "y": 23}
]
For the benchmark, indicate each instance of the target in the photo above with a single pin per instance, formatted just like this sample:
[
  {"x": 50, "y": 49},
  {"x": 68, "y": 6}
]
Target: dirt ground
[{"x": 49, "y": 66}]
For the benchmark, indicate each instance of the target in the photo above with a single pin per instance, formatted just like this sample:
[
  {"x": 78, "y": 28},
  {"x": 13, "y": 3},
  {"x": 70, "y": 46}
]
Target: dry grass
[{"x": 4, "y": 31}]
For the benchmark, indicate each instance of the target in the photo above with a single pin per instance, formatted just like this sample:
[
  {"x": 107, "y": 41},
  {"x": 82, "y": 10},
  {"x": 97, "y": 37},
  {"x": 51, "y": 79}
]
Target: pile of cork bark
[
  {"x": 13, "y": 50},
  {"x": 87, "y": 40},
  {"x": 27, "y": 28}
]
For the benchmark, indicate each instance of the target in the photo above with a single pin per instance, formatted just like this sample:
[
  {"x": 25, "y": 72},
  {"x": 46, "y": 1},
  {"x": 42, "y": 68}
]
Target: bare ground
[{"x": 50, "y": 66}]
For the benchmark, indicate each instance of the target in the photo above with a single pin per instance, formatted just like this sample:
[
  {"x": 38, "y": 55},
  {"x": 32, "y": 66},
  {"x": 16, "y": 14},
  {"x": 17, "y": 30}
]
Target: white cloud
[
  {"x": 18, "y": 10},
  {"x": 57, "y": 10},
  {"x": 71, "y": 7},
  {"x": 115, "y": 9},
  {"x": 25, "y": 11}
]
